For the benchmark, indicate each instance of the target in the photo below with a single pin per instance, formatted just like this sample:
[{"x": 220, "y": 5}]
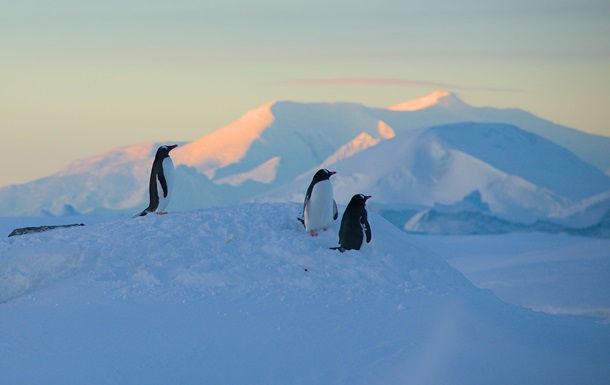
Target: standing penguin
[
  {"x": 354, "y": 224},
  {"x": 319, "y": 208},
  {"x": 161, "y": 182}
]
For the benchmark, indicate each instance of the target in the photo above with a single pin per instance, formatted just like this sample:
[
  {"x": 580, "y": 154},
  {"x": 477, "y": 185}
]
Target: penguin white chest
[
  {"x": 165, "y": 195},
  {"x": 318, "y": 213}
]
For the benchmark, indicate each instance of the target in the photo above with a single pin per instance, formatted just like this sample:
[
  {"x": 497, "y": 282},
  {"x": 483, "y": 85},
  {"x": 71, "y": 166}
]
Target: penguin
[
  {"x": 354, "y": 224},
  {"x": 161, "y": 182},
  {"x": 319, "y": 207}
]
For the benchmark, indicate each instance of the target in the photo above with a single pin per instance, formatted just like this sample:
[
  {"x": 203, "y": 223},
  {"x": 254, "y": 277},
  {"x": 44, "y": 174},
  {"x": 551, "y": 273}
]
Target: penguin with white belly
[
  {"x": 161, "y": 182},
  {"x": 354, "y": 224},
  {"x": 319, "y": 208}
]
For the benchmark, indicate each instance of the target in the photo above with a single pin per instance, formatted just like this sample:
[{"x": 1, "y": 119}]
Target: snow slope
[
  {"x": 528, "y": 156},
  {"x": 242, "y": 295}
]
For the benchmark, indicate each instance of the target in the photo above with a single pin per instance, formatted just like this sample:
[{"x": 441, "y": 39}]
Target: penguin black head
[
  {"x": 322, "y": 174},
  {"x": 360, "y": 199},
  {"x": 163, "y": 151}
]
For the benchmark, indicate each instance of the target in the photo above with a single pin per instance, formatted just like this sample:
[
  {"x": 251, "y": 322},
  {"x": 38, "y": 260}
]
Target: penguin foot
[
  {"x": 313, "y": 234},
  {"x": 161, "y": 213}
]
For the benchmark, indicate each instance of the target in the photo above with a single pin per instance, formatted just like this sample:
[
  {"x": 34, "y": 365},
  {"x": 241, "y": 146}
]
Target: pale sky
[{"x": 79, "y": 77}]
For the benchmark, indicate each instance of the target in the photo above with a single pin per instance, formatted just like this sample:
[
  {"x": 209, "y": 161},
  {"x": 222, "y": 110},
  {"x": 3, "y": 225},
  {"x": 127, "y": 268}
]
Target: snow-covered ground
[{"x": 242, "y": 295}]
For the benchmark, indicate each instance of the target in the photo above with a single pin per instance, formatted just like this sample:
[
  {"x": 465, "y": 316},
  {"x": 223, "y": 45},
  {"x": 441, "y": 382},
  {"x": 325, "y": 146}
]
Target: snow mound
[
  {"x": 242, "y": 295},
  {"x": 253, "y": 250}
]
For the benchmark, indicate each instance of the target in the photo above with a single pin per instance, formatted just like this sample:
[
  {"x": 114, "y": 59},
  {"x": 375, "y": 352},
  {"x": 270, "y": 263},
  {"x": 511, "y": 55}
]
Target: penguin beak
[
  {"x": 169, "y": 148},
  {"x": 367, "y": 197},
  {"x": 332, "y": 172}
]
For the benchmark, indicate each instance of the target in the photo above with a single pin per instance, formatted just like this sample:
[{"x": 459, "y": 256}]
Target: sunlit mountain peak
[{"x": 228, "y": 144}]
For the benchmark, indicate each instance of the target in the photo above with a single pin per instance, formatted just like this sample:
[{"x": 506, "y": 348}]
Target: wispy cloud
[
  {"x": 367, "y": 82},
  {"x": 388, "y": 82}
]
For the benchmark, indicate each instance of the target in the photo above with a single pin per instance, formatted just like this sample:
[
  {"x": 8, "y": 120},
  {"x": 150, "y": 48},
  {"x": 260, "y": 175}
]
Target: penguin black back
[{"x": 354, "y": 224}]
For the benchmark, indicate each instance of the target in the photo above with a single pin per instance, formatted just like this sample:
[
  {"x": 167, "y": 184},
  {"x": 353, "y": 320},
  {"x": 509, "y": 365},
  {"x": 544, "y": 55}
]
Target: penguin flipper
[
  {"x": 301, "y": 218},
  {"x": 335, "y": 211},
  {"x": 367, "y": 231},
  {"x": 163, "y": 183},
  {"x": 366, "y": 227}
]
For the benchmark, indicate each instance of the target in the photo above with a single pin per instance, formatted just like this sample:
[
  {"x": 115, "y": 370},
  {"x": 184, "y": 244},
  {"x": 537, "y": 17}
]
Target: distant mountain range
[
  {"x": 425, "y": 152},
  {"x": 515, "y": 172}
]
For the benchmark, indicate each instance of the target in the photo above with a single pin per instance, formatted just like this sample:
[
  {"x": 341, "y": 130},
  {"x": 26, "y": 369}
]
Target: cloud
[
  {"x": 366, "y": 82},
  {"x": 374, "y": 82}
]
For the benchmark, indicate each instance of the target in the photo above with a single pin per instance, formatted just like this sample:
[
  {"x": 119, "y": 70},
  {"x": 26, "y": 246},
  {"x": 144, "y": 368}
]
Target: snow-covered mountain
[
  {"x": 277, "y": 141},
  {"x": 441, "y": 108},
  {"x": 513, "y": 171},
  {"x": 267, "y": 147},
  {"x": 272, "y": 145},
  {"x": 242, "y": 295}
]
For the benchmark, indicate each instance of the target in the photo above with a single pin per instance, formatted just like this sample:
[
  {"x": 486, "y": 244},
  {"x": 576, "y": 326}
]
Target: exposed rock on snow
[{"x": 39, "y": 229}]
